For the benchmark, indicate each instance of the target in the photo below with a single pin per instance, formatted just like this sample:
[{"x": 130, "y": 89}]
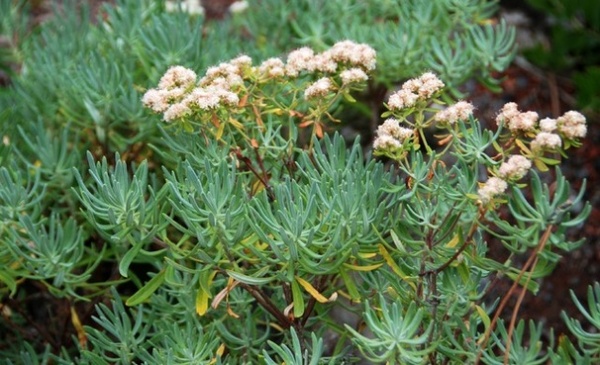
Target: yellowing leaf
[
  {"x": 311, "y": 290},
  {"x": 81, "y": 336},
  {"x": 203, "y": 293},
  {"x": 454, "y": 241},
  {"x": 388, "y": 259},
  {"x": 363, "y": 268}
]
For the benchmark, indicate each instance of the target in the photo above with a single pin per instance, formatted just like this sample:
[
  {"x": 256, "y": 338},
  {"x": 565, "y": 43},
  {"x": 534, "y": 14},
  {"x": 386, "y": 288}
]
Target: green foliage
[{"x": 240, "y": 231}]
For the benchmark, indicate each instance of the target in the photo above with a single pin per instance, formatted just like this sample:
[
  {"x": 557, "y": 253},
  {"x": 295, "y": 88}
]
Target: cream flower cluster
[
  {"x": 549, "y": 132},
  {"x": 514, "y": 168},
  {"x": 178, "y": 92},
  {"x": 347, "y": 54},
  {"x": 188, "y": 6},
  {"x": 415, "y": 90},
  {"x": 391, "y": 136},
  {"x": 462, "y": 110},
  {"x": 492, "y": 187},
  {"x": 514, "y": 120}
]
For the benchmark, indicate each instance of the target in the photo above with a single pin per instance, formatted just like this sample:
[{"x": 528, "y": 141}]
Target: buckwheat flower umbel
[
  {"x": 430, "y": 85},
  {"x": 272, "y": 67},
  {"x": 414, "y": 90},
  {"x": 319, "y": 88},
  {"x": 238, "y": 7},
  {"x": 509, "y": 110},
  {"x": 355, "y": 54},
  {"x": 462, "y": 110},
  {"x": 189, "y": 6},
  {"x": 548, "y": 125},
  {"x": 230, "y": 72},
  {"x": 546, "y": 141},
  {"x": 572, "y": 125},
  {"x": 515, "y": 121},
  {"x": 402, "y": 99},
  {"x": 176, "y": 111},
  {"x": 241, "y": 61},
  {"x": 322, "y": 62},
  {"x": 156, "y": 99},
  {"x": 392, "y": 128},
  {"x": 298, "y": 61},
  {"x": 177, "y": 76},
  {"x": 493, "y": 186},
  {"x": 386, "y": 142},
  {"x": 514, "y": 168},
  {"x": 353, "y": 75}
]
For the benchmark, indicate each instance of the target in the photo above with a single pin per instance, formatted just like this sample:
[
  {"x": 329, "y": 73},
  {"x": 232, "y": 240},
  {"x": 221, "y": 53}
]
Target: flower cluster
[
  {"x": 548, "y": 133},
  {"x": 492, "y": 187},
  {"x": 515, "y": 121},
  {"x": 347, "y": 54},
  {"x": 319, "y": 88},
  {"x": 515, "y": 168},
  {"x": 415, "y": 90},
  {"x": 462, "y": 110},
  {"x": 391, "y": 137},
  {"x": 189, "y": 6},
  {"x": 179, "y": 94},
  {"x": 511, "y": 170}
]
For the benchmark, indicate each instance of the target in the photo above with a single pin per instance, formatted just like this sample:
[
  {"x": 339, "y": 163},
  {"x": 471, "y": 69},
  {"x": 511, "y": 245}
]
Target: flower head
[
  {"x": 353, "y": 75},
  {"x": 546, "y": 141},
  {"x": 177, "y": 76},
  {"x": 514, "y": 168},
  {"x": 298, "y": 61},
  {"x": 572, "y": 125},
  {"x": 356, "y": 54},
  {"x": 414, "y": 90},
  {"x": 318, "y": 89},
  {"x": 516, "y": 120},
  {"x": 493, "y": 186},
  {"x": 238, "y": 7},
  {"x": 272, "y": 67},
  {"x": 459, "y": 111}
]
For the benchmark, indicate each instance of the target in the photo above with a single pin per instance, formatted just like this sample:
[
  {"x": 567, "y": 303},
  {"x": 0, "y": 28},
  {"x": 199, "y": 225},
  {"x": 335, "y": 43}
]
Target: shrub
[{"x": 162, "y": 211}]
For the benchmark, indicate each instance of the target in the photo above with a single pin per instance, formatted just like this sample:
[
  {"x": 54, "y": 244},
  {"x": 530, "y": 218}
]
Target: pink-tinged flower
[
  {"x": 356, "y": 54},
  {"x": 415, "y": 90},
  {"x": 176, "y": 111},
  {"x": 298, "y": 61},
  {"x": 402, "y": 99},
  {"x": 241, "y": 61},
  {"x": 177, "y": 76},
  {"x": 156, "y": 99},
  {"x": 319, "y": 88},
  {"x": 548, "y": 125},
  {"x": 462, "y": 110},
  {"x": 430, "y": 85},
  {"x": 353, "y": 75},
  {"x": 546, "y": 141},
  {"x": 392, "y": 128},
  {"x": 572, "y": 125},
  {"x": 493, "y": 186},
  {"x": 386, "y": 143},
  {"x": 515, "y": 120},
  {"x": 273, "y": 67},
  {"x": 514, "y": 168},
  {"x": 322, "y": 62}
]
